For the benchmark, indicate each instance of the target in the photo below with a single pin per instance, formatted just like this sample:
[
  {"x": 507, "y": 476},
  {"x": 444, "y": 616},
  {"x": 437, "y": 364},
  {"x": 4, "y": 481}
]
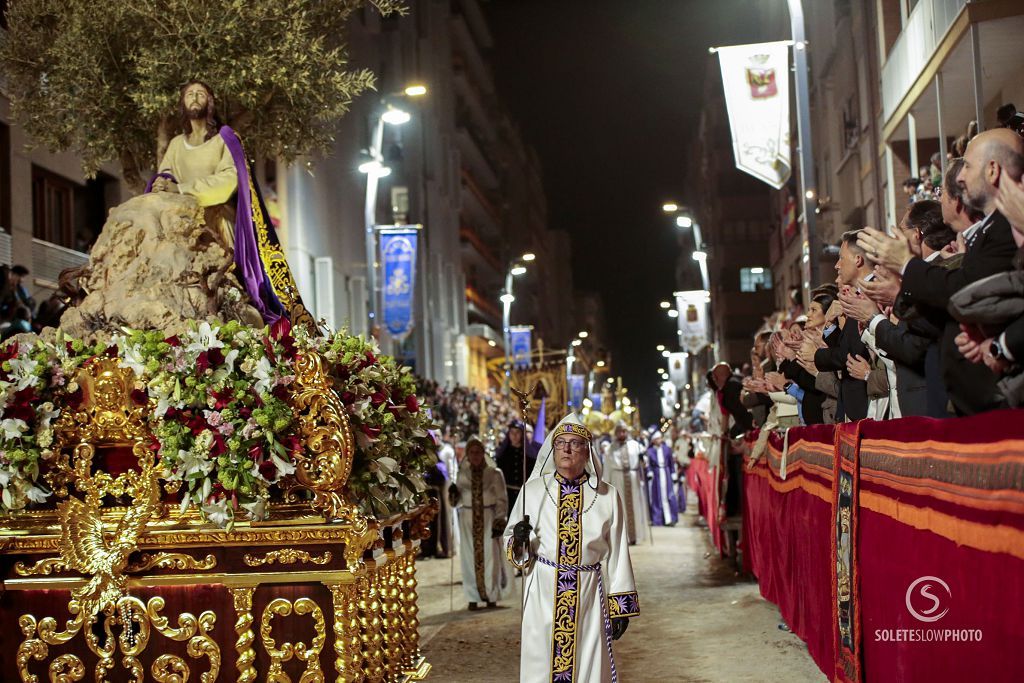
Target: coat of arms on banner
[{"x": 761, "y": 80}]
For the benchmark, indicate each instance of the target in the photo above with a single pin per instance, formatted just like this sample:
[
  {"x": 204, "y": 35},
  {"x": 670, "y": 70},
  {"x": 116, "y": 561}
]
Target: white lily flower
[
  {"x": 218, "y": 513},
  {"x": 134, "y": 360},
  {"x": 261, "y": 372},
  {"x": 284, "y": 467},
  {"x": 22, "y": 370},
  {"x": 203, "y": 339},
  {"x": 13, "y": 428},
  {"x": 257, "y": 510},
  {"x": 36, "y": 494}
]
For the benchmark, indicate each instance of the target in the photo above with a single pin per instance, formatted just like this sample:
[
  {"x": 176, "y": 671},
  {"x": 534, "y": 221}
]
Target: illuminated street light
[
  {"x": 577, "y": 342},
  {"x": 528, "y": 256},
  {"x": 416, "y": 90},
  {"x": 583, "y": 335},
  {"x": 518, "y": 270},
  {"x": 395, "y": 117},
  {"x": 491, "y": 343},
  {"x": 700, "y": 256},
  {"x": 673, "y": 313},
  {"x": 756, "y": 271},
  {"x": 809, "y": 194},
  {"x": 506, "y": 298},
  {"x": 599, "y": 364},
  {"x": 666, "y": 353},
  {"x": 666, "y": 305},
  {"x": 669, "y": 207},
  {"x": 375, "y": 168},
  {"x": 684, "y": 222},
  {"x": 661, "y": 347}
]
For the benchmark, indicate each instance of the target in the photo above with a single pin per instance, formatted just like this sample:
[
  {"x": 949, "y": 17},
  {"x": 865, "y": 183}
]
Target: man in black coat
[
  {"x": 991, "y": 157},
  {"x": 851, "y": 266}
]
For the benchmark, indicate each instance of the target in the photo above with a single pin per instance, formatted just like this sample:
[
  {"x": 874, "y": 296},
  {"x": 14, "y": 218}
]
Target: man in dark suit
[
  {"x": 851, "y": 266},
  {"x": 991, "y": 157}
]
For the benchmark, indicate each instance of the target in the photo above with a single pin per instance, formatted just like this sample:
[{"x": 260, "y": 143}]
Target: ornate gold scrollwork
[
  {"x": 179, "y": 561},
  {"x": 41, "y": 568},
  {"x": 242, "y": 599},
  {"x": 136, "y": 621},
  {"x": 419, "y": 527},
  {"x": 66, "y": 668},
  {"x": 310, "y": 654},
  {"x": 370, "y": 629},
  {"x": 286, "y": 556},
  {"x": 324, "y": 427}
]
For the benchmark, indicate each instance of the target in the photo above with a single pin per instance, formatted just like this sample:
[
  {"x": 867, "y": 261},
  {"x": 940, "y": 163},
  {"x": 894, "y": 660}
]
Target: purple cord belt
[{"x": 576, "y": 569}]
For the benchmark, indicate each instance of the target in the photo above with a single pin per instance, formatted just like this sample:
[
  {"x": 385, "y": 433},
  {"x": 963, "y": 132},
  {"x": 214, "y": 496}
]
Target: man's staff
[{"x": 524, "y": 404}]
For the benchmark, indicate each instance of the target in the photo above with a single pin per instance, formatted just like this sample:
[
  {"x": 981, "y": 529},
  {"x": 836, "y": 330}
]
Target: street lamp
[
  {"x": 666, "y": 305},
  {"x": 673, "y": 313},
  {"x": 684, "y": 221},
  {"x": 515, "y": 268},
  {"x": 375, "y": 169},
  {"x": 583, "y": 335},
  {"x": 669, "y": 207},
  {"x": 661, "y": 347}
]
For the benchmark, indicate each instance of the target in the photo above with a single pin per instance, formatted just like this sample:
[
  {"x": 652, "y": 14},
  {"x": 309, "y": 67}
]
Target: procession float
[{"x": 198, "y": 481}]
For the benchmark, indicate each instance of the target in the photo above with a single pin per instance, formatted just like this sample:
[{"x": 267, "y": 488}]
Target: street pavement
[{"x": 698, "y": 622}]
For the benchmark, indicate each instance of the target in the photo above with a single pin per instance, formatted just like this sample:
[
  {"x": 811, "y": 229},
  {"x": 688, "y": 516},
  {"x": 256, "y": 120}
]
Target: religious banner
[
  {"x": 520, "y": 340},
  {"x": 677, "y": 369},
  {"x": 755, "y": 79},
  {"x": 577, "y": 390},
  {"x": 668, "y": 399},
  {"x": 398, "y": 256},
  {"x": 693, "y": 315}
]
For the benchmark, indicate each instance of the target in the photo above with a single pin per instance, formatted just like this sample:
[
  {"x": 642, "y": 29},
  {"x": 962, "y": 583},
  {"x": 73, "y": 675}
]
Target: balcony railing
[
  {"x": 921, "y": 35},
  {"x": 48, "y": 260}
]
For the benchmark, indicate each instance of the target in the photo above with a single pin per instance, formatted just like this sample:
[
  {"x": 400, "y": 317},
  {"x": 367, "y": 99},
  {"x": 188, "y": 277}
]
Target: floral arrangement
[{"x": 220, "y": 417}]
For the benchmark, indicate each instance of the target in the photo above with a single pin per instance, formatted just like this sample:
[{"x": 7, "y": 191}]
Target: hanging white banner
[
  {"x": 668, "y": 399},
  {"x": 693, "y": 319},
  {"x": 755, "y": 79},
  {"x": 677, "y": 369}
]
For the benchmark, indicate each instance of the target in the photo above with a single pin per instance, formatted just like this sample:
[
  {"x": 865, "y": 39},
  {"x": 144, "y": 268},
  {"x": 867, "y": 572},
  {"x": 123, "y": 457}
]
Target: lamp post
[
  {"x": 375, "y": 169},
  {"x": 515, "y": 268}
]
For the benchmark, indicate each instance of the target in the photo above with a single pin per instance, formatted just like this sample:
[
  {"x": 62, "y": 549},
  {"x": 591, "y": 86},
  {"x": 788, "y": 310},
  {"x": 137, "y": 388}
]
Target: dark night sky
[{"x": 607, "y": 91}]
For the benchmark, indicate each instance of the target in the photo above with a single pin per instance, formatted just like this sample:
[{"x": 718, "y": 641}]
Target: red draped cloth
[
  {"x": 707, "y": 483},
  {"x": 936, "y": 578}
]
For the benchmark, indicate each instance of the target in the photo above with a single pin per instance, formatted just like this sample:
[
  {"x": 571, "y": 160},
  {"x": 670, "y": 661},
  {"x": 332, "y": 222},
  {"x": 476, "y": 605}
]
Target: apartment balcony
[
  {"x": 473, "y": 156},
  {"x": 477, "y": 250},
  {"x": 479, "y": 209},
  {"x": 48, "y": 260},
  {"x": 951, "y": 59}
]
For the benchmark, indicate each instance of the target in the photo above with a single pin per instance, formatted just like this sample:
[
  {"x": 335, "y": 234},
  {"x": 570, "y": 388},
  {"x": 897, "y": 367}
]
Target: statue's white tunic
[
  {"x": 563, "y": 637},
  {"x": 622, "y": 466}
]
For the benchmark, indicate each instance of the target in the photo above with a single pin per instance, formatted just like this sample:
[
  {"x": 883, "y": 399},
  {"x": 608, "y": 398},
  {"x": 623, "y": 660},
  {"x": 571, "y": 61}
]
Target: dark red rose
[
  {"x": 111, "y": 352},
  {"x": 245, "y": 412},
  {"x": 172, "y": 413},
  {"x": 372, "y": 432},
  {"x": 219, "y": 446},
  {"x": 370, "y": 358},
  {"x": 140, "y": 397},
  {"x": 203, "y": 362},
  {"x": 348, "y": 398},
  {"x": 216, "y": 357},
  {"x": 377, "y": 398},
  {"x": 268, "y": 470},
  {"x": 255, "y": 452},
  {"x": 222, "y": 399},
  {"x": 293, "y": 444},
  {"x": 8, "y": 352},
  {"x": 217, "y": 489},
  {"x": 173, "y": 340},
  {"x": 411, "y": 404},
  {"x": 280, "y": 392},
  {"x": 20, "y": 411}
]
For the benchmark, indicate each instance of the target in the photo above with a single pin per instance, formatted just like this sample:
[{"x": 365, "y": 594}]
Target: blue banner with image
[
  {"x": 521, "y": 342},
  {"x": 577, "y": 390},
  {"x": 398, "y": 258}
]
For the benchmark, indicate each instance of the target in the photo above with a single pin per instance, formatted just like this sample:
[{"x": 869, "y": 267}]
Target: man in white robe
[
  {"x": 567, "y": 533},
  {"x": 624, "y": 464},
  {"x": 483, "y": 508}
]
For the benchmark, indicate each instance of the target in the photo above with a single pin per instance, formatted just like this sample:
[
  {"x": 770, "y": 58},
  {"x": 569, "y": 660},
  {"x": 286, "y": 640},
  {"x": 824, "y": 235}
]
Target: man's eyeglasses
[{"x": 574, "y": 445}]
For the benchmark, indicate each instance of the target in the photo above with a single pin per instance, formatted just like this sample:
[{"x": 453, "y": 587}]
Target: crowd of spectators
[
  {"x": 459, "y": 411},
  {"x": 927, "y": 319}
]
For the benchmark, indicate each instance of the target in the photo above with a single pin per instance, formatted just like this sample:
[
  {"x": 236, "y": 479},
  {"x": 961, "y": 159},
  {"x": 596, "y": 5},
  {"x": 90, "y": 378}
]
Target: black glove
[
  {"x": 521, "y": 531},
  {"x": 619, "y": 626},
  {"x": 497, "y": 528},
  {"x": 453, "y": 495}
]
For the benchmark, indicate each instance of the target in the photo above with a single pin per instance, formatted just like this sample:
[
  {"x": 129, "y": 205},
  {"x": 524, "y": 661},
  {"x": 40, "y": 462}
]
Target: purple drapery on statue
[
  {"x": 250, "y": 270},
  {"x": 660, "y": 464}
]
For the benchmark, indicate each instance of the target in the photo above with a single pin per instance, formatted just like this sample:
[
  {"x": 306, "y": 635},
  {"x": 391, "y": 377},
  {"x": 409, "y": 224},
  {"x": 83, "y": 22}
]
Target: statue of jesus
[{"x": 207, "y": 161}]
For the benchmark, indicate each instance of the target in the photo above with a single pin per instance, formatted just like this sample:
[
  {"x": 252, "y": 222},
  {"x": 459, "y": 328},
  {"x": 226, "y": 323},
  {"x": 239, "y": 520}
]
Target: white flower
[
  {"x": 203, "y": 339},
  {"x": 218, "y": 512},
  {"x": 257, "y": 510},
  {"x": 284, "y": 467},
  {"x": 133, "y": 359},
  {"x": 22, "y": 372},
  {"x": 262, "y": 373},
  {"x": 37, "y": 495},
  {"x": 204, "y": 441},
  {"x": 192, "y": 463},
  {"x": 5, "y": 477},
  {"x": 13, "y": 428}
]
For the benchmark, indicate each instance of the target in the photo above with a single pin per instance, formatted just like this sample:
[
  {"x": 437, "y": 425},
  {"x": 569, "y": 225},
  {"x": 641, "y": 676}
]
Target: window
[
  {"x": 66, "y": 213},
  {"x": 755, "y": 279}
]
